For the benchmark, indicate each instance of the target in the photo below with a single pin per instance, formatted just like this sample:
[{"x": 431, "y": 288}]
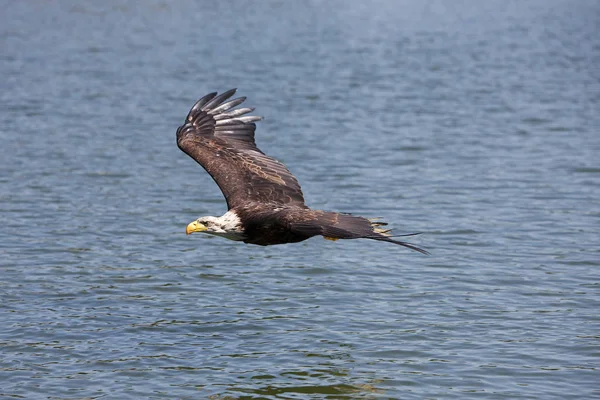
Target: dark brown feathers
[
  {"x": 260, "y": 190},
  {"x": 222, "y": 141},
  {"x": 334, "y": 225}
]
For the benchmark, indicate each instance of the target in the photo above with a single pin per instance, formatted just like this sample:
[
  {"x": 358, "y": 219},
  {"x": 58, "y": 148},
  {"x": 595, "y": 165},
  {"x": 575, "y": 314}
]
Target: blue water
[{"x": 476, "y": 123}]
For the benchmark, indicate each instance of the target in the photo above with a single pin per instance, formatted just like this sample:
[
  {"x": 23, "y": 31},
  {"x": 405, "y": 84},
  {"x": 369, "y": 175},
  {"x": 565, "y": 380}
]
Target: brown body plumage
[{"x": 265, "y": 201}]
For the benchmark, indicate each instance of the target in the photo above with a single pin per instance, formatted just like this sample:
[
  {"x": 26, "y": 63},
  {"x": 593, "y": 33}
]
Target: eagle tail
[{"x": 333, "y": 226}]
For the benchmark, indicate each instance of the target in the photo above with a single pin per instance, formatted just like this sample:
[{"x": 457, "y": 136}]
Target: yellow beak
[{"x": 195, "y": 227}]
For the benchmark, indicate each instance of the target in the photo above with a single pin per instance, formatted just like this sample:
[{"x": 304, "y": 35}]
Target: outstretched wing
[{"x": 221, "y": 139}]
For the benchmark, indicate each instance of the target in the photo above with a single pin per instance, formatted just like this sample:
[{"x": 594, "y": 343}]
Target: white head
[{"x": 228, "y": 226}]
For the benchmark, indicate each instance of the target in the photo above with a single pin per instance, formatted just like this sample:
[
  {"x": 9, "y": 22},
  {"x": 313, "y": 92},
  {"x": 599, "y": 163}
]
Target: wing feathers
[
  {"x": 249, "y": 118},
  {"x": 236, "y": 123},
  {"x": 221, "y": 139},
  {"x": 199, "y": 104},
  {"x": 234, "y": 113},
  {"x": 219, "y": 99},
  {"x": 227, "y": 106}
]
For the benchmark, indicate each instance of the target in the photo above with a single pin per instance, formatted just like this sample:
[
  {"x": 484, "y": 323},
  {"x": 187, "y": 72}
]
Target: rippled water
[{"x": 475, "y": 123}]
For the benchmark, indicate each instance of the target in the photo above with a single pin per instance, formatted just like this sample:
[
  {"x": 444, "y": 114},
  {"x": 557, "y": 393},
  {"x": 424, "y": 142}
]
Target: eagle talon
[{"x": 385, "y": 232}]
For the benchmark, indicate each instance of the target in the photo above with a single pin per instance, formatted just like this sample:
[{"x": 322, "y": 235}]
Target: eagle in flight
[{"x": 265, "y": 202}]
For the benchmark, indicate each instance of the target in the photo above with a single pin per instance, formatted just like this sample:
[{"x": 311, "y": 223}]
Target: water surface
[{"x": 476, "y": 124}]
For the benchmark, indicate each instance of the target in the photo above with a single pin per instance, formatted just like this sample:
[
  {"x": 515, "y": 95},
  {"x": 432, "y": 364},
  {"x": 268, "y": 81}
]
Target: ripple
[{"x": 476, "y": 125}]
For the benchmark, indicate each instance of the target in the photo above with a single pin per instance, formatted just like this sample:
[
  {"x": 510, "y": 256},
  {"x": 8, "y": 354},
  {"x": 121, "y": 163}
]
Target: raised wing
[{"x": 221, "y": 139}]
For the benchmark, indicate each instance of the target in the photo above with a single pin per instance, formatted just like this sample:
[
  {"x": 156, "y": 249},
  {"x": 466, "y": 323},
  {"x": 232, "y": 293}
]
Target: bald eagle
[{"x": 265, "y": 202}]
